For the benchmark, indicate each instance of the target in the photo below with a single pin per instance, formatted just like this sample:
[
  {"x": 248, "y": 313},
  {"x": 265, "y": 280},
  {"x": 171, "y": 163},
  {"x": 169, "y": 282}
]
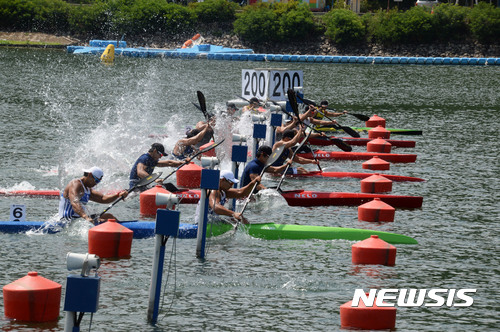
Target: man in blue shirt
[
  {"x": 255, "y": 167},
  {"x": 145, "y": 164}
]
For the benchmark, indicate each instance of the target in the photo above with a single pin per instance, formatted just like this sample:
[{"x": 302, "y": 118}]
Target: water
[{"x": 62, "y": 113}]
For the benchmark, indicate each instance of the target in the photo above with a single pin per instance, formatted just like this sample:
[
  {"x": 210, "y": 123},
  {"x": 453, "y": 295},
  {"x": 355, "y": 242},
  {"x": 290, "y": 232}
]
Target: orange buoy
[
  {"x": 189, "y": 176},
  {"x": 147, "y": 201},
  {"x": 188, "y": 43},
  {"x": 376, "y": 164},
  {"x": 210, "y": 153},
  {"x": 374, "y": 121},
  {"x": 376, "y": 210},
  {"x": 376, "y": 184},
  {"x": 373, "y": 251},
  {"x": 32, "y": 299},
  {"x": 367, "y": 318},
  {"x": 110, "y": 240},
  {"x": 379, "y": 131},
  {"x": 378, "y": 145}
]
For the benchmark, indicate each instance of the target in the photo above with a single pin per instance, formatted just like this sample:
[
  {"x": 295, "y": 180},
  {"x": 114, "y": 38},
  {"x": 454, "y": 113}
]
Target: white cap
[
  {"x": 95, "y": 171},
  {"x": 228, "y": 175}
]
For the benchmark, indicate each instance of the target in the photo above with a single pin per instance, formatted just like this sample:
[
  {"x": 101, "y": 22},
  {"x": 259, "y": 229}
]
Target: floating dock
[{"x": 214, "y": 52}]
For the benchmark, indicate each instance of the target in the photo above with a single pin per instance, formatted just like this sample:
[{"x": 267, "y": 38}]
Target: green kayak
[
  {"x": 395, "y": 131},
  {"x": 272, "y": 231}
]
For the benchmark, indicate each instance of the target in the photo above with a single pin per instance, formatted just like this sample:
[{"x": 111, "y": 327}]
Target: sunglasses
[{"x": 96, "y": 179}]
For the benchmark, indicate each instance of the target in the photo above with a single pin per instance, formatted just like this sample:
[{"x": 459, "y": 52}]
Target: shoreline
[{"x": 320, "y": 46}]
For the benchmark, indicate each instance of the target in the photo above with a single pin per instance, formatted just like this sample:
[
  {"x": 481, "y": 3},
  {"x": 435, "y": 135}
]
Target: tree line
[{"x": 259, "y": 23}]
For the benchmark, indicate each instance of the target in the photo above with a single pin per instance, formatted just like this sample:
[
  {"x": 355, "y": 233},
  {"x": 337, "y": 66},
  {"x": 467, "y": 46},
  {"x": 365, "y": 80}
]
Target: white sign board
[
  {"x": 269, "y": 84},
  {"x": 17, "y": 212}
]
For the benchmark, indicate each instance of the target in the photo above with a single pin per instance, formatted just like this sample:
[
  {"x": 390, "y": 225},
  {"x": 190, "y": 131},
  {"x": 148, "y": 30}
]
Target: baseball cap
[
  {"x": 228, "y": 175},
  {"x": 160, "y": 148},
  {"x": 95, "y": 171}
]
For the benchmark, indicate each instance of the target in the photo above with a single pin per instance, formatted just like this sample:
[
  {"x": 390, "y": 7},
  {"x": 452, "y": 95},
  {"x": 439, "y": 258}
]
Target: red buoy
[
  {"x": 376, "y": 164},
  {"x": 189, "y": 176},
  {"x": 147, "y": 201},
  {"x": 373, "y": 251},
  {"x": 32, "y": 299},
  {"x": 110, "y": 240},
  {"x": 367, "y": 318},
  {"x": 375, "y": 211},
  {"x": 376, "y": 184},
  {"x": 210, "y": 153},
  {"x": 378, "y": 145},
  {"x": 374, "y": 121},
  {"x": 379, "y": 131}
]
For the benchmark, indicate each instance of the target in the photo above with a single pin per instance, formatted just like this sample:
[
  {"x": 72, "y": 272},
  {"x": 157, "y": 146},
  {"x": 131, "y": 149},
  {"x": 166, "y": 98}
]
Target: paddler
[
  {"x": 290, "y": 138},
  {"x": 254, "y": 168},
  {"x": 185, "y": 146},
  {"x": 209, "y": 134},
  {"x": 253, "y": 107},
  {"x": 323, "y": 111},
  {"x": 218, "y": 198},
  {"x": 145, "y": 164},
  {"x": 79, "y": 192},
  {"x": 313, "y": 116}
]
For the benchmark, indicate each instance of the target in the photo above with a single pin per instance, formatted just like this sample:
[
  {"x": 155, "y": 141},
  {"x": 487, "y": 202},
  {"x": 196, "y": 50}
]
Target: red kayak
[
  {"x": 32, "y": 193},
  {"x": 318, "y": 174},
  {"x": 316, "y": 198},
  {"x": 341, "y": 155},
  {"x": 361, "y": 141}
]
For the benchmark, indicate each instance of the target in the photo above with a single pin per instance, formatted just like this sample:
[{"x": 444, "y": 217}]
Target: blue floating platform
[{"x": 215, "y": 52}]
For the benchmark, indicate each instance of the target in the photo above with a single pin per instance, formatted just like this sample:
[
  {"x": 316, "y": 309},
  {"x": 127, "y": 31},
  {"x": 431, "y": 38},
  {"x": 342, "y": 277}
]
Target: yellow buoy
[{"x": 108, "y": 57}]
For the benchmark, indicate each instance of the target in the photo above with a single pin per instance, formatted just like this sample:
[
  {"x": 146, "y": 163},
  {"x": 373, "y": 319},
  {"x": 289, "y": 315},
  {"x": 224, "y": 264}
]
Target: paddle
[
  {"x": 293, "y": 156},
  {"x": 208, "y": 148},
  {"x": 272, "y": 159},
  {"x": 361, "y": 117},
  {"x": 203, "y": 104},
  {"x": 348, "y": 130},
  {"x": 293, "y": 103},
  {"x": 142, "y": 182}
]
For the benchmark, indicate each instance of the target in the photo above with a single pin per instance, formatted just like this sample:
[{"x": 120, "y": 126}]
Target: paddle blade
[
  {"x": 293, "y": 102},
  {"x": 145, "y": 181},
  {"x": 170, "y": 187},
  {"x": 341, "y": 144},
  {"x": 362, "y": 117},
  {"x": 203, "y": 104},
  {"x": 350, "y": 131}
]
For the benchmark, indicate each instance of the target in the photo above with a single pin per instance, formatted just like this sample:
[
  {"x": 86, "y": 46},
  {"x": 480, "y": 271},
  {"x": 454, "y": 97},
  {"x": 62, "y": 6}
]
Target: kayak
[
  {"x": 267, "y": 231},
  {"x": 355, "y": 175},
  {"x": 366, "y": 129},
  {"x": 316, "y": 198},
  {"x": 341, "y": 155},
  {"x": 361, "y": 141},
  {"x": 32, "y": 193}
]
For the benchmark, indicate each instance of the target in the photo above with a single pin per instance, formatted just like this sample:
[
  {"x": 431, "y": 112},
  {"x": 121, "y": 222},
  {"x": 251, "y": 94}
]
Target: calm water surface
[{"x": 61, "y": 113}]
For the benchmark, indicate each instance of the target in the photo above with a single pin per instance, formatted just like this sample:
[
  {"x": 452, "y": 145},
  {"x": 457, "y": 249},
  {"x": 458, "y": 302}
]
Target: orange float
[
  {"x": 147, "y": 201},
  {"x": 374, "y": 121},
  {"x": 367, "y": 318},
  {"x": 375, "y": 211},
  {"x": 379, "y": 131},
  {"x": 373, "y": 251},
  {"x": 110, "y": 240},
  {"x": 189, "y": 176},
  {"x": 376, "y": 184},
  {"x": 376, "y": 164},
  {"x": 378, "y": 145},
  {"x": 32, "y": 299}
]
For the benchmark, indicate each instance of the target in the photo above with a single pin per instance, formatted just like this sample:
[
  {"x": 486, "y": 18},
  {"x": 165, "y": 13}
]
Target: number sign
[
  {"x": 269, "y": 84},
  {"x": 17, "y": 212}
]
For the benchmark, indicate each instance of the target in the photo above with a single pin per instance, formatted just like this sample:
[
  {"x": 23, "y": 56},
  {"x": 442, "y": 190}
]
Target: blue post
[
  {"x": 276, "y": 121},
  {"x": 167, "y": 224},
  {"x": 238, "y": 155},
  {"x": 209, "y": 180}
]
